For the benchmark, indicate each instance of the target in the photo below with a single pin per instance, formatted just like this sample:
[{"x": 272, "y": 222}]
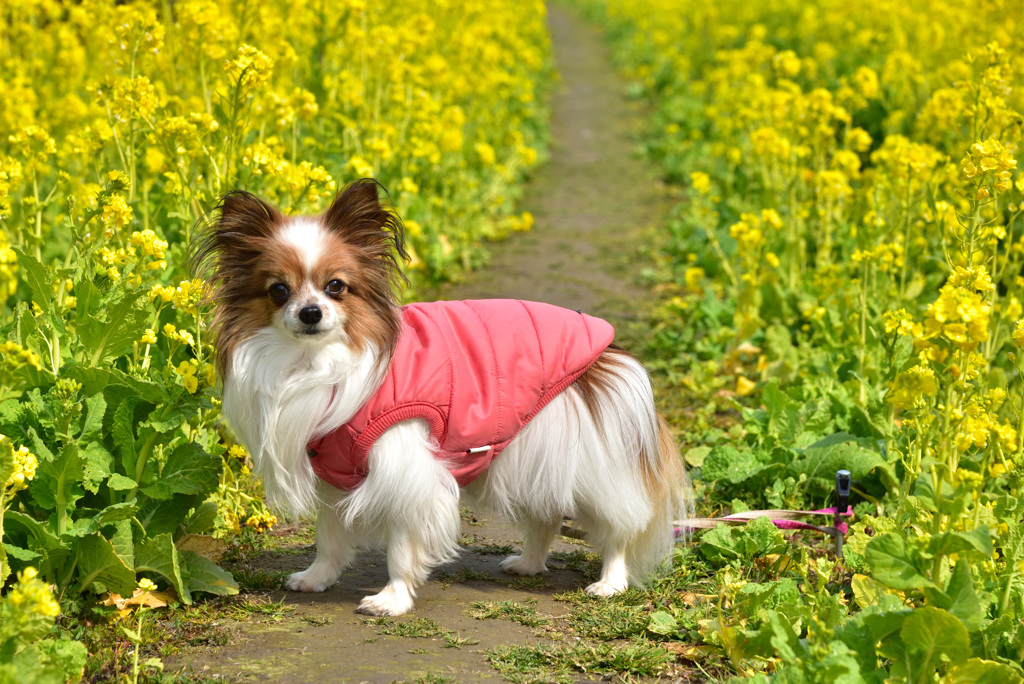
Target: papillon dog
[{"x": 307, "y": 323}]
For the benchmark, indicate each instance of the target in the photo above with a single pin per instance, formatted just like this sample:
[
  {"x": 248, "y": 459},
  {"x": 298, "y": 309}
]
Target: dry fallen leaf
[
  {"x": 142, "y": 599},
  {"x": 204, "y": 545}
]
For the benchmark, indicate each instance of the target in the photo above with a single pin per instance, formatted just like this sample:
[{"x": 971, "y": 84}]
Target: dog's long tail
[
  {"x": 672, "y": 497},
  {"x": 617, "y": 392}
]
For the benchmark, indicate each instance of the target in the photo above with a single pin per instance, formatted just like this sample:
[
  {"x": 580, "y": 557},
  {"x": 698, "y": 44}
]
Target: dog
[{"x": 317, "y": 356}]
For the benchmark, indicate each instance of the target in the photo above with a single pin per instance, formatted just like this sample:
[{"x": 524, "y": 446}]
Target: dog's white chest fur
[{"x": 280, "y": 394}]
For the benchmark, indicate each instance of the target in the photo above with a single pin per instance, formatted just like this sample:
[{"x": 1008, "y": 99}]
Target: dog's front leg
[
  {"x": 414, "y": 501},
  {"x": 335, "y": 547}
]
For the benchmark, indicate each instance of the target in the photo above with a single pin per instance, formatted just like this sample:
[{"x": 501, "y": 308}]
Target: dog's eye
[
  {"x": 278, "y": 292},
  {"x": 335, "y": 287}
]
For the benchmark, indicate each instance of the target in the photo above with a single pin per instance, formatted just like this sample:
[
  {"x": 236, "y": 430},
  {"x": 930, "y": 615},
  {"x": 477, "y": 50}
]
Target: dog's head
[{"x": 313, "y": 279}]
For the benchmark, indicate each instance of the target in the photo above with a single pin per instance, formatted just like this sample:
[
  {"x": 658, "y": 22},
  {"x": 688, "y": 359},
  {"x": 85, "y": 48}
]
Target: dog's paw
[
  {"x": 387, "y": 602},
  {"x": 517, "y": 565},
  {"x": 308, "y": 580},
  {"x": 604, "y": 589}
]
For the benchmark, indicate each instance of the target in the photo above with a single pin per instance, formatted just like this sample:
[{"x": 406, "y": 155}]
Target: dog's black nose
[{"x": 310, "y": 315}]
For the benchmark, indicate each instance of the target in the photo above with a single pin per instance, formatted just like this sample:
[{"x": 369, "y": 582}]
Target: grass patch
[
  {"x": 417, "y": 627},
  {"x": 265, "y": 611},
  {"x": 528, "y": 583},
  {"x": 579, "y": 560},
  {"x": 317, "y": 620},
  {"x": 559, "y": 662},
  {"x": 462, "y": 576},
  {"x": 431, "y": 678},
  {"x": 494, "y": 550},
  {"x": 455, "y": 640},
  {"x": 510, "y": 610},
  {"x": 259, "y": 579},
  {"x": 619, "y": 618},
  {"x": 421, "y": 628}
]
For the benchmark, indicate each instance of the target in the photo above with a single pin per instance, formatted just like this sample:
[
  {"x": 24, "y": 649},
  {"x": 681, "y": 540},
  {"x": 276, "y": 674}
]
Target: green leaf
[
  {"x": 930, "y": 634},
  {"x": 108, "y": 336},
  {"x": 959, "y": 598},
  {"x": 732, "y": 465},
  {"x": 96, "y": 466},
  {"x": 120, "y": 483},
  {"x": 158, "y": 555},
  {"x": 757, "y": 538},
  {"x": 896, "y": 564},
  {"x": 662, "y": 623},
  {"x": 202, "y": 518},
  {"x": 103, "y": 379},
  {"x": 36, "y": 276},
  {"x": 189, "y": 470},
  {"x": 976, "y": 543},
  {"x": 159, "y": 516},
  {"x": 112, "y": 514},
  {"x": 99, "y": 562},
  {"x": 92, "y": 425},
  {"x": 695, "y": 456},
  {"x": 88, "y": 297},
  {"x": 978, "y": 671},
  {"x": 839, "y": 451},
  {"x": 63, "y": 660},
  {"x": 124, "y": 543},
  {"x": 783, "y": 412},
  {"x": 123, "y": 432},
  {"x": 187, "y": 408},
  {"x": 874, "y": 630},
  {"x": 6, "y": 459},
  {"x": 59, "y": 480},
  {"x": 205, "y": 575},
  {"x": 866, "y": 591},
  {"x": 21, "y": 554},
  {"x": 38, "y": 538}
]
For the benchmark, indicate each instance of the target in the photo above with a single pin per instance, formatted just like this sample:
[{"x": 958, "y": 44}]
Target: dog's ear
[
  {"x": 360, "y": 219},
  {"x": 243, "y": 214},
  {"x": 237, "y": 225}
]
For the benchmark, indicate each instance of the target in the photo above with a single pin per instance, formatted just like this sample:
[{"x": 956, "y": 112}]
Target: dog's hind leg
[
  {"x": 335, "y": 548},
  {"x": 412, "y": 499},
  {"x": 614, "y": 574},
  {"x": 538, "y": 538}
]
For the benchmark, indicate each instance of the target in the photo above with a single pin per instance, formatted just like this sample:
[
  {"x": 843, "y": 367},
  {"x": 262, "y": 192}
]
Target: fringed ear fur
[
  {"x": 359, "y": 218},
  {"x": 237, "y": 226}
]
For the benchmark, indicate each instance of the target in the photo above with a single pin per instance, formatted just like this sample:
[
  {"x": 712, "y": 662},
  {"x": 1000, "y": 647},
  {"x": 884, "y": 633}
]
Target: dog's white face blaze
[{"x": 309, "y": 285}]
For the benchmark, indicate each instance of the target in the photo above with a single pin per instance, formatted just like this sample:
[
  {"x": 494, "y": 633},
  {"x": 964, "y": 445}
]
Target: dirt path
[{"x": 591, "y": 202}]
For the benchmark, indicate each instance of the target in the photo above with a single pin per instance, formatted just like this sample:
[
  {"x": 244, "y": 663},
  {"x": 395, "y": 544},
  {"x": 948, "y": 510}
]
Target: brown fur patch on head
[
  {"x": 374, "y": 238},
  {"x": 230, "y": 242},
  {"x": 237, "y": 248}
]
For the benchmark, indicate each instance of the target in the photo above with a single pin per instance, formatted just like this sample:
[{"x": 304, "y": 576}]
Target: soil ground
[{"x": 592, "y": 203}]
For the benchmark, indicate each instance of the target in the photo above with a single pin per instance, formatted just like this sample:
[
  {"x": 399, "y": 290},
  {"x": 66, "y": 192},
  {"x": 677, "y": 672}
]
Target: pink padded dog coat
[{"x": 477, "y": 372}]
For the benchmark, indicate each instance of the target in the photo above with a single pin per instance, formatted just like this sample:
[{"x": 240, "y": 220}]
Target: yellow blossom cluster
[
  {"x": 21, "y": 460},
  {"x": 262, "y": 522},
  {"x": 186, "y": 296},
  {"x": 988, "y": 159},
  {"x": 172, "y": 333},
  {"x": 187, "y": 370},
  {"x": 129, "y": 121},
  {"x": 15, "y": 356},
  {"x": 31, "y": 594}
]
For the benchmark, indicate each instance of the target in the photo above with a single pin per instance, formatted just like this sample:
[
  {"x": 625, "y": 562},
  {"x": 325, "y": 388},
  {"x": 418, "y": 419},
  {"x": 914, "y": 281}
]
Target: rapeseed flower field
[
  {"x": 122, "y": 125},
  {"x": 844, "y": 289},
  {"x": 841, "y": 281}
]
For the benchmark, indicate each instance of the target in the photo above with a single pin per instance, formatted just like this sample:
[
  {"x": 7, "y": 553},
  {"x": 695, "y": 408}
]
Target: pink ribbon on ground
[{"x": 781, "y": 518}]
